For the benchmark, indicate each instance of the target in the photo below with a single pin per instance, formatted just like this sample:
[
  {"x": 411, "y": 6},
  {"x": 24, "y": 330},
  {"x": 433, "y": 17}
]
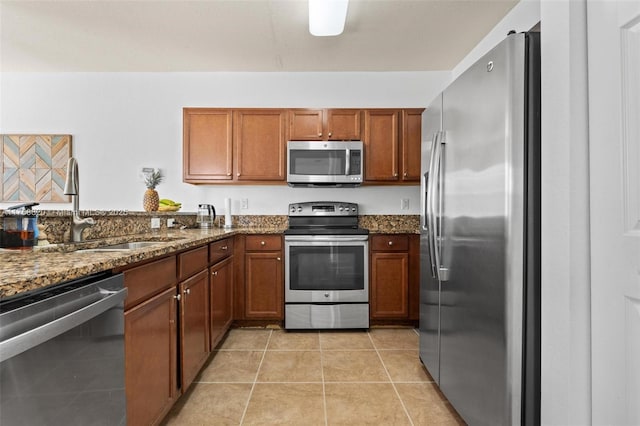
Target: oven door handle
[
  {"x": 326, "y": 238},
  {"x": 40, "y": 334}
]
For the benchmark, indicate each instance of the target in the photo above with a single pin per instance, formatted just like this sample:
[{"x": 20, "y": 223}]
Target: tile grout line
[
  {"x": 255, "y": 380},
  {"x": 406, "y": 412},
  {"x": 324, "y": 393}
]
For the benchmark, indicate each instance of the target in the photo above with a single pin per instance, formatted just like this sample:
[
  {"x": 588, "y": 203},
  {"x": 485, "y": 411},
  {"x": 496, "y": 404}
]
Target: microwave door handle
[{"x": 347, "y": 169}]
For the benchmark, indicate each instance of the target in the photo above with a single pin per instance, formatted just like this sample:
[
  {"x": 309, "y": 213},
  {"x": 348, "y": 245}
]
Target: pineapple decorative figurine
[{"x": 151, "y": 200}]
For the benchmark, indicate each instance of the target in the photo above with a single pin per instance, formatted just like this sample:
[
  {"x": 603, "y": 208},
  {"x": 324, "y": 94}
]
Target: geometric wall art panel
[{"x": 33, "y": 167}]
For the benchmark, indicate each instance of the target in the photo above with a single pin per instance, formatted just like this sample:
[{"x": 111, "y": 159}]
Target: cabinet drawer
[
  {"x": 192, "y": 261},
  {"x": 263, "y": 242},
  {"x": 147, "y": 280},
  {"x": 220, "y": 249},
  {"x": 390, "y": 242}
]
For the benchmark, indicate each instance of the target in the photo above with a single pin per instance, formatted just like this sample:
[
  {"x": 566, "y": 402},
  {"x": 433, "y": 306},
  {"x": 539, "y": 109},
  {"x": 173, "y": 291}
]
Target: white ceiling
[{"x": 239, "y": 35}]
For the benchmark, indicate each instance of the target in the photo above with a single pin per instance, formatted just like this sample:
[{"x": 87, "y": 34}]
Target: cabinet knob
[
  {"x": 395, "y": 175},
  {"x": 319, "y": 134},
  {"x": 406, "y": 174},
  {"x": 228, "y": 174},
  {"x": 330, "y": 133},
  {"x": 187, "y": 291},
  {"x": 262, "y": 243},
  {"x": 278, "y": 259},
  {"x": 214, "y": 273},
  {"x": 390, "y": 243},
  {"x": 177, "y": 297},
  {"x": 224, "y": 248},
  {"x": 238, "y": 174}
]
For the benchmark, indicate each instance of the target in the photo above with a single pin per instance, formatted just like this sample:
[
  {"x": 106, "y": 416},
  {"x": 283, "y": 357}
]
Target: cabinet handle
[
  {"x": 262, "y": 243},
  {"x": 187, "y": 291},
  {"x": 278, "y": 259},
  {"x": 224, "y": 248},
  {"x": 177, "y": 297},
  {"x": 390, "y": 243}
]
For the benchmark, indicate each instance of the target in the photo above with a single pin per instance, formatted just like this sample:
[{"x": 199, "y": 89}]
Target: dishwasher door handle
[{"x": 29, "y": 339}]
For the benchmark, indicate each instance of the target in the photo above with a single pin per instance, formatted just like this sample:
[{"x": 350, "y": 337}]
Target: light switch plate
[
  {"x": 404, "y": 204},
  {"x": 244, "y": 203}
]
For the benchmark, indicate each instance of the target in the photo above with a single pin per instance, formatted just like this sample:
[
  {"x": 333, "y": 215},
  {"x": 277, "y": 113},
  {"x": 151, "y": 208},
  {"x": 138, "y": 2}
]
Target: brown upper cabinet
[
  {"x": 392, "y": 141},
  {"x": 234, "y": 146},
  {"x": 325, "y": 124},
  {"x": 207, "y": 145}
]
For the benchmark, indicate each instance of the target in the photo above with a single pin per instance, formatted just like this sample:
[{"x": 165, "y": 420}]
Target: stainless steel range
[{"x": 327, "y": 267}]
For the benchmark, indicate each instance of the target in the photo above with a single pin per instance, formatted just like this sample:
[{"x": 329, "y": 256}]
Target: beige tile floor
[{"x": 269, "y": 377}]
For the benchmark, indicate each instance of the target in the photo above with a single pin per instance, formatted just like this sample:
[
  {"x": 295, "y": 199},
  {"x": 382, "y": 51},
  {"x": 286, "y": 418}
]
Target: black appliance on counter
[{"x": 327, "y": 267}]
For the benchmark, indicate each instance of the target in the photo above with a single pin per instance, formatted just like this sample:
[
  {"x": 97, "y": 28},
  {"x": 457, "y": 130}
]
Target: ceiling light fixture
[{"x": 327, "y": 17}]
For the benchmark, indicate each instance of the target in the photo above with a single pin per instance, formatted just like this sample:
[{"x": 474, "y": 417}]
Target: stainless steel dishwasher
[{"x": 62, "y": 354}]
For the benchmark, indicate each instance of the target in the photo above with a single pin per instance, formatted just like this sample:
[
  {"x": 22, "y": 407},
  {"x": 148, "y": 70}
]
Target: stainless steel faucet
[{"x": 71, "y": 187}]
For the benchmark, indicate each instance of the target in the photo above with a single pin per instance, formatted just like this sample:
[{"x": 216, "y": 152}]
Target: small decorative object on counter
[
  {"x": 20, "y": 227},
  {"x": 151, "y": 200}
]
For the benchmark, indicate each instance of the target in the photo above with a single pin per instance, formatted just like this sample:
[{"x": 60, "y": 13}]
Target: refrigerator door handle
[
  {"x": 442, "y": 274},
  {"x": 429, "y": 204}
]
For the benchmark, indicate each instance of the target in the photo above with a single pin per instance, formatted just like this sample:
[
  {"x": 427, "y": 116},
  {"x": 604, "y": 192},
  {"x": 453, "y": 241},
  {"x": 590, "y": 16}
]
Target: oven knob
[
  {"x": 353, "y": 209},
  {"x": 299, "y": 209},
  {"x": 341, "y": 208},
  {"x": 293, "y": 208},
  {"x": 326, "y": 295}
]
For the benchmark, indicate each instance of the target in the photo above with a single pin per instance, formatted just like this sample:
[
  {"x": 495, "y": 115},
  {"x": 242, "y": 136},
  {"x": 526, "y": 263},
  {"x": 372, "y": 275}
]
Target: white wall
[
  {"x": 566, "y": 344},
  {"x": 121, "y": 122}
]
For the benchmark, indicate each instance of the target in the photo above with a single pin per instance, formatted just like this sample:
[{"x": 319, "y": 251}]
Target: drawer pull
[
  {"x": 224, "y": 248},
  {"x": 278, "y": 259},
  {"x": 262, "y": 243},
  {"x": 390, "y": 243}
]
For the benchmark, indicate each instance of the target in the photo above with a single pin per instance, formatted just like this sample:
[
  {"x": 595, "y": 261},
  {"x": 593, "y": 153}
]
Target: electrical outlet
[
  {"x": 170, "y": 222},
  {"x": 244, "y": 203},
  {"x": 404, "y": 204},
  {"x": 155, "y": 222}
]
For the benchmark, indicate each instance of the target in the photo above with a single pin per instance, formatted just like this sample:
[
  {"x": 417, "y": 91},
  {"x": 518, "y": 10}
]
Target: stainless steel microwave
[{"x": 324, "y": 163}]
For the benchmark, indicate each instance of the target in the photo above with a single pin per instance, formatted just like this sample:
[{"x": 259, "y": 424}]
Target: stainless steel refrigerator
[{"x": 480, "y": 239}]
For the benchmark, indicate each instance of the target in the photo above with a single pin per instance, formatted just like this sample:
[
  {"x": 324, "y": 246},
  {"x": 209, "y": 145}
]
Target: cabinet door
[
  {"x": 306, "y": 124},
  {"x": 207, "y": 145},
  {"x": 411, "y": 140},
  {"x": 221, "y": 289},
  {"x": 389, "y": 285},
  {"x": 344, "y": 124},
  {"x": 264, "y": 286},
  {"x": 194, "y": 326},
  {"x": 151, "y": 358},
  {"x": 260, "y": 138},
  {"x": 381, "y": 145}
]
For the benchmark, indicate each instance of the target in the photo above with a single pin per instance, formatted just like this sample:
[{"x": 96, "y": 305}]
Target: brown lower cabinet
[
  {"x": 221, "y": 290},
  {"x": 394, "y": 277},
  {"x": 194, "y": 326},
  {"x": 263, "y": 278},
  {"x": 151, "y": 358}
]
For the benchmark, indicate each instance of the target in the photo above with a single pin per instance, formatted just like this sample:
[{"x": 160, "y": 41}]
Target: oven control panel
[{"x": 323, "y": 208}]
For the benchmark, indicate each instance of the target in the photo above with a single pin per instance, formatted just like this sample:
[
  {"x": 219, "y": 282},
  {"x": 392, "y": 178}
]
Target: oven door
[{"x": 326, "y": 268}]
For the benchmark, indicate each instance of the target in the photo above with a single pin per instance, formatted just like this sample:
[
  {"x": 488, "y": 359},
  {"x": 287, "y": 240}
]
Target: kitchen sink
[{"x": 125, "y": 246}]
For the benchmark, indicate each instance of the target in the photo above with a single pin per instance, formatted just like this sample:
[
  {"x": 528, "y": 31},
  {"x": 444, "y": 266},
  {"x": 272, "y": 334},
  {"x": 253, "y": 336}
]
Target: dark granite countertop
[{"x": 22, "y": 271}]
